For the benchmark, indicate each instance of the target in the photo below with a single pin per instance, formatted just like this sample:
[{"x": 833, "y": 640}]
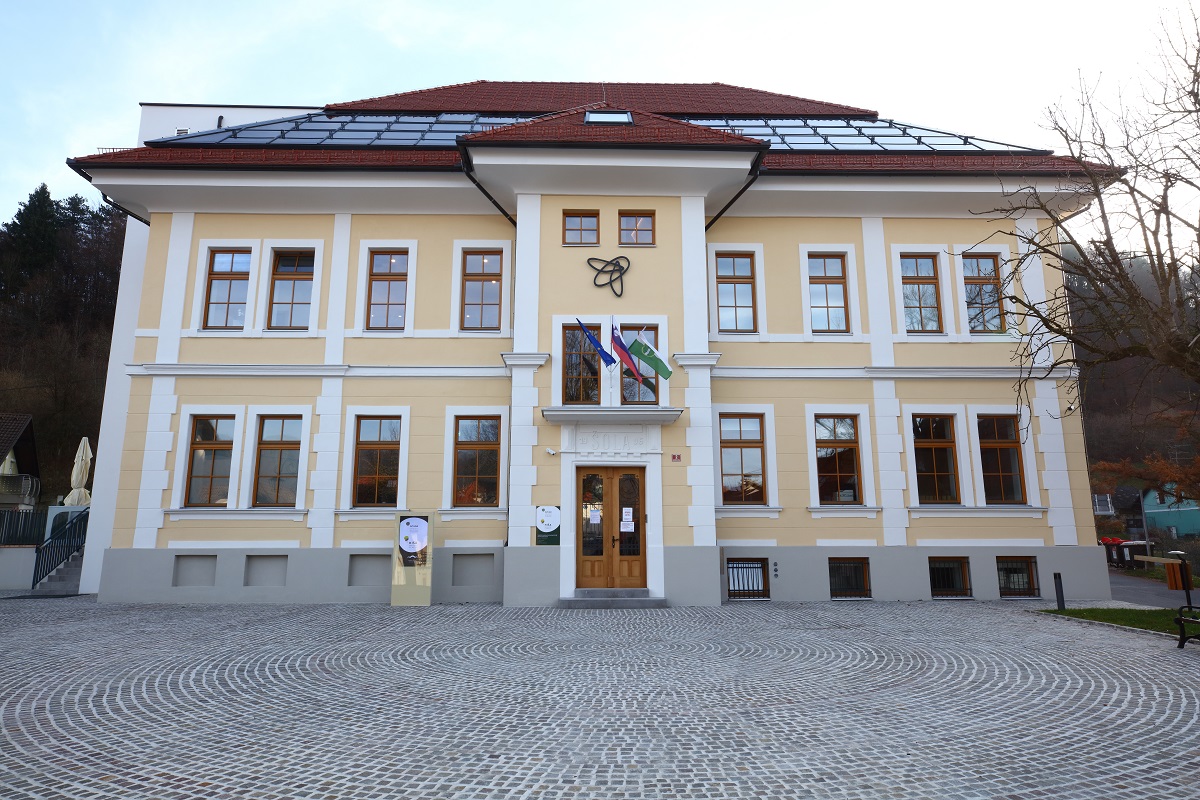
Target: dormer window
[{"x": 607, "y": 118}]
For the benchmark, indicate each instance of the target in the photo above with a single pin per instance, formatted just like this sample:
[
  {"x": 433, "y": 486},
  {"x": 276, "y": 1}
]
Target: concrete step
[
  {"x": 612, "y": 592},
  {"x": 63, "y": 581},
  {"x": 612, "y": 599}
]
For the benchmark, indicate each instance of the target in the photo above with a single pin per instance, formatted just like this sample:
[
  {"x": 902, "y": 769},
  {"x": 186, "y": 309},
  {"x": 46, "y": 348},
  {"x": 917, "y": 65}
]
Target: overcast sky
[{"x": 72, "y": 73}]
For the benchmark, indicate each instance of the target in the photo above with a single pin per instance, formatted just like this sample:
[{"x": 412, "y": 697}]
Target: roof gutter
[
  {"x": 469, "y": 171},
  {"x": 755, "y": 171},
  {"x": 108, "y": 200}
]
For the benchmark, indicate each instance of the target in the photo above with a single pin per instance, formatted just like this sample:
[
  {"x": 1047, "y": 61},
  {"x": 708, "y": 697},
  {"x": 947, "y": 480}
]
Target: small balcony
[{"x": 19, "y": 491}]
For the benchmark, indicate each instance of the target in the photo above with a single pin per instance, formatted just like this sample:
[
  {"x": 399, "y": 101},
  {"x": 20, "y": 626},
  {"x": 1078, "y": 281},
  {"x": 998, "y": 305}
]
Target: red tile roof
[
  {"x": 545, "y": 97},
  {"x": 251, "y": 157},
  {"x": 979, "y": 164},
  {"x": 570, "y": 128}
]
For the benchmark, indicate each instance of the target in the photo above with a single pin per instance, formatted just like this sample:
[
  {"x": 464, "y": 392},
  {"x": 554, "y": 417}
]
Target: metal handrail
[
  {"x": 55, "y": 551},
  {"x": 22, "y": 527}
]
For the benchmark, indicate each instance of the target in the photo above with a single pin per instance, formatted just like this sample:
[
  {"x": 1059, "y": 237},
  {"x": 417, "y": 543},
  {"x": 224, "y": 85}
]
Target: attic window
[{"x": 607, "y": 118}]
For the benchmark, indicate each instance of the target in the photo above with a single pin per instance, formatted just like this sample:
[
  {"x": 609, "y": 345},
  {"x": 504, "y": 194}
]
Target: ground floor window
[
  {"x": 1018, "y": 576},
  {"x": 849, "y": 577},
  {"x": 950, "y": 577}
]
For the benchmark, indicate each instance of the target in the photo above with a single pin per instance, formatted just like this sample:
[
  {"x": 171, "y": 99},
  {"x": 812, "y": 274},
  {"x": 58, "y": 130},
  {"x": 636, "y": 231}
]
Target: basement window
[{"x": 608, "y": 118}]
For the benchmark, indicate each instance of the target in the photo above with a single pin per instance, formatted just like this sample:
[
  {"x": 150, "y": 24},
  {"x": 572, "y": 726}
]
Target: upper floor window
[
  {"x": 291, "y": 291},
  {"x": 225, "y": 289},
  {"x": 827, "y": 294},
  {"x": 636, "y": 227},
  {"x": 743, "y": 480},
  {"x": 581, "y": 366},
  {"x": 477, "y": 461},
  {"x": 922, "y": 296},
  {"x": 376, "y": 461},
  {"x": 642, "y": 387},
  {"x": 277, "y": 466},
  {"x": 736, "y": 311},
  {"x": 837, "y": 460},
  {"x": 985, "y": 304},
  {"x": 934, "y": 453},
  {"x": 1000, "y": 452},
  {"x": 387, "y": 290},
  {"x": 210, "y": 458},
  {"x": 581, "y": 227},
  {"x": 481, "y": 278}
]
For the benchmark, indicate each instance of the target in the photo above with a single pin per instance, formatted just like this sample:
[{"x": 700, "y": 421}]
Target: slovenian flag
[
  {"x": 622, "y": 351},
  {"x": 641, "y": 349},
  {"x": 605, "y": 356}
]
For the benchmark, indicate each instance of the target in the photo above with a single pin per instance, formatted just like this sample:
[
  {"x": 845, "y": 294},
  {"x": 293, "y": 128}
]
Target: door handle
[{"x": 615, "y": 540}]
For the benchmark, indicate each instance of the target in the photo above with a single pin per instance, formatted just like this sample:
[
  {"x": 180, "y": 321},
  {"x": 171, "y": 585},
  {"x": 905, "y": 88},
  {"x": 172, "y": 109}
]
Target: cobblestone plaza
[{"x": 840, "y": 700}]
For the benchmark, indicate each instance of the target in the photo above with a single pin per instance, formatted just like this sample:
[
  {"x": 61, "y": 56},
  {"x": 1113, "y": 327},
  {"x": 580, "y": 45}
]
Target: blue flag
[{"x": 605, "y": 356}]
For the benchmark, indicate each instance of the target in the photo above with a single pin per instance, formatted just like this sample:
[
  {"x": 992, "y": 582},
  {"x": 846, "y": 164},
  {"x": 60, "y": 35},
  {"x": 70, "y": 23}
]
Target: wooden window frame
[
  {"x": 923, "y": 280},
  {"x": 216, "y": 444},
  {"x": 581, "y": 215},
  {"x": 379, "y": 447},
  {"x": 737, "y": 280},
  {"x": 825, "y": 280},
  {"x": 621, "y": 228},
  {"x": 964, "y": 566},
  {"x": 759, "y": 444},
  {"x": 840, "y": 444},
  {"x": 584, "y": 353},
  {"x": 481, "y": 277},
  {"x": 1013, "y": 445},
  {"x": 280, "y": 446},
  {"x": 865, "y": 564},
  {"x": 1030, "y": 563},
  {"x": 387, "y": 278},
  {"x": 208, "y": 282},
  {"x": 636, "y": 330},
  {"x": 294, "y": 277},
  {"x": 936, "y": 444},
  {"x": 477, "y": 445},
  {"x": 969, "y": 281}
]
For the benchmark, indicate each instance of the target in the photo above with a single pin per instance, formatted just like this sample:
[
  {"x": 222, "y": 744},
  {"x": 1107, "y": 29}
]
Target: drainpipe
[
  {"x": 469, "y": 171},
  {"x": 755, "y": 171}
]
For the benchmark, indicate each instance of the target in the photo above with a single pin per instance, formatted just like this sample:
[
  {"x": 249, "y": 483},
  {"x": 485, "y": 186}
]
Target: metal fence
[
  {"x": 59, "y": 547},
  {"x": 22, "y": 527},
  {"x": 748, "y": 579}
]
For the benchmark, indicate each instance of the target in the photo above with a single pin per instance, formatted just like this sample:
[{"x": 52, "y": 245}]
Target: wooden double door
[{"x": 610, "y": 542}]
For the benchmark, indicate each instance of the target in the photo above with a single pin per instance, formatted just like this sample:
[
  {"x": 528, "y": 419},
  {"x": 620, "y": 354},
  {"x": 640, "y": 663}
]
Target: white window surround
[
  {"x": 361, "y": 303},
  {"x": 945, "y": 292},
  {"x": 448, "y": 511},
  {"x": 346, "y": 504},
  {"x": 610, "y": 384},
  {"x": 200, "y": 289},
  {"x": 867, "y": 507},
  {"x": 183, "y": 454},
  {"x": 506, "y": 281},
  {"x": 760, "y": 291},
  {"x": 270, "y": 246},
  {"x": 250, "y": 452},
  {"x": 771, "y": 509},
  {"x": 1028, "y": 456},
  {"x": 962, "y": 447},
  {"x": 1003, "y": 259},
  {"x": 854, "y": 311}
]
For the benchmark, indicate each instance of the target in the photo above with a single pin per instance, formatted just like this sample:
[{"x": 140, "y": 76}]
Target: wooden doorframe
[{"x": 610, "y": 569}]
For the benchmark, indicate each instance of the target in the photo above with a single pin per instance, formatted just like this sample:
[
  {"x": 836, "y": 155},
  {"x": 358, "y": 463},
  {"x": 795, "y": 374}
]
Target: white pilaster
[
  {"x": 889, "y": 449},
  {"x": 527, "y": 273},
  {"x": 694, "y": 276},
  {"x": 879, "y": 304},
  {"x": 110, "y": 445},
  {"x": 339, "y": 279},
  {"x": 326, "y": 445},
  {"x": 1033, "y": 275},
  {"x": 1055, "y": 477},
  {"x": 163, "y": 405},
  {"x": 170, "y": 323},
  {"x": 699, "y": 439},
  {"x": 522, "y": 438}
]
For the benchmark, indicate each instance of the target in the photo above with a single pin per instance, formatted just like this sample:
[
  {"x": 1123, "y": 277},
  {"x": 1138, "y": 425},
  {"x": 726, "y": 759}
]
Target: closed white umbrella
[
  {"x": 80, "y": 496},
  {"x": 9, "y": 465}
]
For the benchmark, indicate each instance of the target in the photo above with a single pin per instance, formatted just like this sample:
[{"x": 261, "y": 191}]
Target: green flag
[{"x": 641, "y": 349}]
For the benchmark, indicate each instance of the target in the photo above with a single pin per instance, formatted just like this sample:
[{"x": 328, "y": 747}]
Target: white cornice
[
  {"x": 690, "y": 360},
  {"x": 525, "y": 359},
  {"x": 878, "y": 373},
  {"x": 317, "y": 370},
  {"x": 612, "y": 415}
]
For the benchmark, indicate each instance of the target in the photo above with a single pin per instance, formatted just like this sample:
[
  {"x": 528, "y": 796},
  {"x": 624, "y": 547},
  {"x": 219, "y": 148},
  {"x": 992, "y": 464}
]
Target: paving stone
[{"x": 970, "y": 701}]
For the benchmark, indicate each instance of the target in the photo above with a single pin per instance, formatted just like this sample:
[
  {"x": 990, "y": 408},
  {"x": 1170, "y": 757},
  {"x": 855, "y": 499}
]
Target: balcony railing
[{"x": 19, "y": 490}]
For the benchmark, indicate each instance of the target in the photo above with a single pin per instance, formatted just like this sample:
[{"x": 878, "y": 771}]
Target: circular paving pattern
[{"x": 838, "y": 700}]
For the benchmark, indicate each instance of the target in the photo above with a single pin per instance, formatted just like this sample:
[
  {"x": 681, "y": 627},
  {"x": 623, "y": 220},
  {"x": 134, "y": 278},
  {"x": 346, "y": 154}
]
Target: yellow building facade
[{"x": 340, "y": 318}]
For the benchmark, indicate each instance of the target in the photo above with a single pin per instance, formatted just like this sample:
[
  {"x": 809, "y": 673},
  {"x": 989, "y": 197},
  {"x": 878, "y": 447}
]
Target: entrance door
[{"x": 611, "y": 540}]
